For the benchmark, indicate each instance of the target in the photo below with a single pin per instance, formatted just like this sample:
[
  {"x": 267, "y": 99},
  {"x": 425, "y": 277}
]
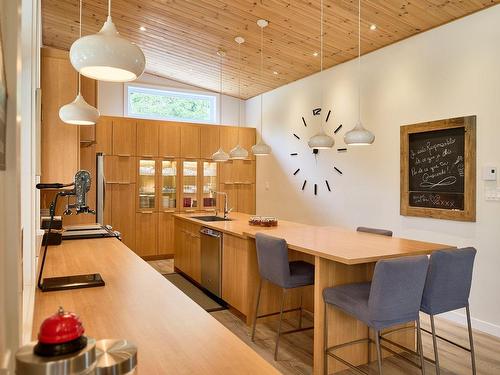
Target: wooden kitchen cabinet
[
  {"x": 228, "y": 137},
  {"x": 245, "y": 201},
  {"x": 147, "y": 138},
  {"x": 146, "y": 234},
  {"x": 190, "y": 141},
  {"x": 166, "y": 243},
  {"x": 188, "y": 249},
  {"x": 104, "y": 136},
  {"x": 210, "y": 136},
  {"x": 235, "y": 273},
  {"x": 247, "y": 140},
  {"x": 169, "y": 140},
  {"x": 119, "y": 169},
  {"x": 124, "y": 137},
  {"x": 147, "y": 184},
  {"x": 237, "y": 171},
  {"x": 122, "y": 211}
]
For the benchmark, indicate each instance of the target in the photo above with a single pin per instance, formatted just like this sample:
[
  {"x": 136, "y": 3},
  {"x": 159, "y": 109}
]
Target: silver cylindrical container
[
  {"x": 80, "y": 363},
  {"x": 115, "y": 357}
]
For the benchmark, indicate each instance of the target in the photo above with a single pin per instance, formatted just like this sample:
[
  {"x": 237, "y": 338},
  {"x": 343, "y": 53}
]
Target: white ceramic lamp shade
[
  {"x": 321, "y": 141},
  {"x": 220, "y": 155},
  {"x": 359, "y": 136},
  {"x": 79, "y": 112},
  {"x": 261, "y": 149},
  {"x": 106, "y": 56},
  {"x": 238, "y": 153}
]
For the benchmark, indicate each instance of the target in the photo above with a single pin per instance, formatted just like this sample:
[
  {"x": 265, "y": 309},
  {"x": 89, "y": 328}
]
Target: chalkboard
[{"x": 438, "y": 169}]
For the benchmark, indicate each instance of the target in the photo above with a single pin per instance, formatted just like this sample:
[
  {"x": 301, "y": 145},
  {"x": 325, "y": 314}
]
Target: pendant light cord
[
  {"x": 109, "y": 8},
  {"x": 239, "y": 90},
  {"x": 80, "y": 36},
  {"x": 359, "y": 61},
  {"x": 321, "y": 62},
  {"x": 262, "y": 79},
  {"x": 220, "y": 86}
]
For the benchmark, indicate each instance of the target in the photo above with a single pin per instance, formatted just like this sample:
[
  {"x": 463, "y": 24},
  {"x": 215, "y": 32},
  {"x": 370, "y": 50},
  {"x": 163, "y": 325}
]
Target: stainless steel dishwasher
[{"x": 211, "y": 260}]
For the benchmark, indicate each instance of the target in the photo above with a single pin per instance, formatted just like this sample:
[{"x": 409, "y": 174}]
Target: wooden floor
[{"x": 295, "y": 354}]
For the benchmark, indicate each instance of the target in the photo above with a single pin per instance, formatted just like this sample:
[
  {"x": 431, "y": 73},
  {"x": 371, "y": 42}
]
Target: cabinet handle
[
  {"x": 146, "y": 212},
  {"x": 168, "y": 157},
  {"x": 190, "y": 210},
  {"x": 167, "y": 211},
  {"x": 146, "y": 156},
  {"x": 123, "y": 155},
  {"x": 123, "y": 183}
]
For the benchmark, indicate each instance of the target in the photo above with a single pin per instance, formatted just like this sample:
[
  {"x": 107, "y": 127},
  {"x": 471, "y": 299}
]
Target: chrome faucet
[{"x": 226, "y": 209}]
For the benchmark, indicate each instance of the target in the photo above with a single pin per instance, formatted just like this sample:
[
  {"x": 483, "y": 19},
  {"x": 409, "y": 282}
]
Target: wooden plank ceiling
[{"x": 182, "y": 36}]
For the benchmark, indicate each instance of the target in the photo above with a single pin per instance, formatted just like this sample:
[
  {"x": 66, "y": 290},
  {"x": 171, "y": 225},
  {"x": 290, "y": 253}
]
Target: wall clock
[{"x": 316, "y": 152}]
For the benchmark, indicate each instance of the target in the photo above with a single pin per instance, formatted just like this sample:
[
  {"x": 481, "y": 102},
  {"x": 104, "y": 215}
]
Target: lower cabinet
[
  {"x": 146, "y": 233},
  {"x": 119, "y": 211},
  {"x": 235, "y": 272},
  {"x": 188, "y": 249},
  {"x": 166, "y": 244}
]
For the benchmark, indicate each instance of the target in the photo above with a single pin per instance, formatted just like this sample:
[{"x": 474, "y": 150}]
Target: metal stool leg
[
  {"x": 325, "y": 341},
  {"x": 256, "y": 309},
  {"x": 434, "y": 342},
  {"x": 279, "y": 326},
  {"x": 379, "y": 356},
  {"x": 471, "y": 341},
  {"x": 420, "y": 346}
]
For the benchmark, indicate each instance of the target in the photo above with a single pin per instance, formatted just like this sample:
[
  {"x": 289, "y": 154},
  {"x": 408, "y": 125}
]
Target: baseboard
[{"x": 477, "y": 324}]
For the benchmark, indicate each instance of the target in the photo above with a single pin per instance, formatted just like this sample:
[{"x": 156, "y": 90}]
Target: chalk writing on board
[{"x": 436, "y": 169}]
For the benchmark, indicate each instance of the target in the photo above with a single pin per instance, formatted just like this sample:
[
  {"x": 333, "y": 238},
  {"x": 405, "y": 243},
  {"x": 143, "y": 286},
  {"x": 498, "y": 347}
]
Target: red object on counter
[{"x": 60, "y": 328}]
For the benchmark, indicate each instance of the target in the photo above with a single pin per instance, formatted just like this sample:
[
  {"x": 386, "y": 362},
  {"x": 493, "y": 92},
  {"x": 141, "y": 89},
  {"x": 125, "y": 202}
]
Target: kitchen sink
[{"x": 210, "y": 218}]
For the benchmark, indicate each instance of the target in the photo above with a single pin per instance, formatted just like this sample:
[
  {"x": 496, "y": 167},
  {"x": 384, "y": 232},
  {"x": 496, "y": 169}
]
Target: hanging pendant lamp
[
  {"x": 106, "y": 56},
  {"x": 261, "y": 148},
  {"x": 220, "y": 155},
  {"x": 359, "y": 136},
  {"x": 239, "y": 152},
  {"x": 321, "y": 140},
  {"x": 79, "y": 112}
]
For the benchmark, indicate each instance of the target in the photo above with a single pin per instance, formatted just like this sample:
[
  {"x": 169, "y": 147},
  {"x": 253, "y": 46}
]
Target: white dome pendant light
[
  {"x": 220, "y": 155},
  {"x": 359, "y": 136},
  {"x": 239, "y": 153},
  {"x": 321, "y": 140},
  {"x": 106, "y": 56},
  {"x": 79, "y": 112},
  {"x": 261, "y": 148}
]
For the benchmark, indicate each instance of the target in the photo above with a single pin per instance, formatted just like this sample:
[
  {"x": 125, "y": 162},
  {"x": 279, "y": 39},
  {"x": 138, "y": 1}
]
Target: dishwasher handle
[{"x": 210, "y": 232}]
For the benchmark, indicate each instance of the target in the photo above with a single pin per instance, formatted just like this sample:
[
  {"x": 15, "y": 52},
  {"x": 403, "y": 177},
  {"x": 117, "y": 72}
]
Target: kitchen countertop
[
  {"x": 173, "y": 334},
  {"x": 333, "y": 243}
]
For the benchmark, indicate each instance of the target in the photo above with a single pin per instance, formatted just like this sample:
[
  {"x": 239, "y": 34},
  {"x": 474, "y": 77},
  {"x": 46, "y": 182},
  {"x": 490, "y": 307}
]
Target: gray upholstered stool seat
[
  {"x": 274, "y": 267},
  {"x": 301, "y": 274},
  {"x": 382, "y": 232},
  {"x": 393, "y": 297}
]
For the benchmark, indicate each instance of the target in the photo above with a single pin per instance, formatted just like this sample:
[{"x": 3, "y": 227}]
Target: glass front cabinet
[
  {"x": 168, "y": 185},
  {"x": 209, "y": 185},
  {"x": 146, "y": 185}
]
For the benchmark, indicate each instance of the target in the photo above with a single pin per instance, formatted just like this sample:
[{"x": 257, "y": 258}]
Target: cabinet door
[
  {"x": 210, "y": 140},
  {"x": 123, "y": 211},
  {"x": 244, "y": 171},
  {"x": 208, "y": 184},
  {"x": 195, "y": 254},
  {"x": 166, "y": 243},
  {"x": 119, "y": 169},
  {"x": 228, "y": 172},
  {"x": 169, "y": 177},
  {"x": 146, "y": 234},
  {"x": 89, "y": 92},
  {"x": 146, "y": 184},
  {"x": 190, "y": 141},
  {"x": 235, "y": 273},
  {"x": 104, "y": 136},
  {"x": 228, "y": 137},
  {"x": 124, "y": 137},
  {"x": 190, "y": 182},
  {"x": 232, "y": 196},
  {"x": 247, "y": 140},
  {"x": 60, "y": 142},
  {"x": 147, "y": 138},
  {"x": 246, "y": 199},
  {"x": 180, "y": 243},
  {"x": 169, "y": 135}
]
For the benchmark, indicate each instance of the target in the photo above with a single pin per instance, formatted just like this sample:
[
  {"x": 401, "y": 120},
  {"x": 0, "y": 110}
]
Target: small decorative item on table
[{"x": 263, "y": 221}]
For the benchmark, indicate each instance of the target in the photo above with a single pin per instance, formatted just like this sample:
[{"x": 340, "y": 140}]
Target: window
[{"x": 153, "y": 103}]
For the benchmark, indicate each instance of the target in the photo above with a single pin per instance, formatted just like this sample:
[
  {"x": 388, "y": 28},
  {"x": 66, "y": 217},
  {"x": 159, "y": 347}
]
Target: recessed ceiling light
[
  {"x": 275, "y": 73},
  {"x": 315, "y": 54},
  {"x": 142, "y": 28},
  {"x": 373, "y": 27}
]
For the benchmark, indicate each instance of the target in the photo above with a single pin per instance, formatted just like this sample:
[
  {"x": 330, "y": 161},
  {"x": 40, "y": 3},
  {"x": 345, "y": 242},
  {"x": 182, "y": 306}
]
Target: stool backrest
[
  {"x": 396, "y": 290},
  {"x": 272, "y": 258},
  {"x": 449, "y": 280},
  {"x": 383, "y": 232}
]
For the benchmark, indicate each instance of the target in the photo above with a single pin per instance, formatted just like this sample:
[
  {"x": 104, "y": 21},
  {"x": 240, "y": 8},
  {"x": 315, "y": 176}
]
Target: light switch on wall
[{"x": 489, "y": 173}]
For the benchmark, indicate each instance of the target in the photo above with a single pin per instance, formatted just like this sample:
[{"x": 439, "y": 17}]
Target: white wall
[
  {"x": 111, "y": 98},
  {"x": 447, "y": 72}
]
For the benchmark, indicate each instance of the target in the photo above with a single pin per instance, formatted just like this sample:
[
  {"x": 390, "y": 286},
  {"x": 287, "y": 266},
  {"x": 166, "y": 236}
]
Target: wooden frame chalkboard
[{"x": 438, "y": 169}]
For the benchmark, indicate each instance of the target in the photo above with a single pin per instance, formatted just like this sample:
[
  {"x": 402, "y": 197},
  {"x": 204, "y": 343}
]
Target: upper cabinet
[
  {"x": 228, "y": 137},
  {"x": 147, "y": 138},
  {"x": 210, "y": 136},
  {"x": 169, "y": 140},
  {"x": 190, "y": 141},
  {"x": 104, "y": 136},
  {"x": 124, "y": 136},
  {"x": 247, "y": 140}
]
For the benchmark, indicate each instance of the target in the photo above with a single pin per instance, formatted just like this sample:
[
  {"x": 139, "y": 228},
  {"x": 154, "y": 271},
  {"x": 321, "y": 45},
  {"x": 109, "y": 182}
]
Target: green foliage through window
[{"x": 152, "y": 103}]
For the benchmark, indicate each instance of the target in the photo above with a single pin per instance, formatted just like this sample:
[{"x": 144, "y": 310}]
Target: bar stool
[
  {"x": 447, "y": 288},
  {"x": 274, "y": 267},
  {"x": 393, "y": 297},
  {"x": 382, "y": 232}
]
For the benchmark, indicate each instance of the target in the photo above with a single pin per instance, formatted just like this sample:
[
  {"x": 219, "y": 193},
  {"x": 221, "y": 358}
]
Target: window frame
[{"x": 213, "y": 97}]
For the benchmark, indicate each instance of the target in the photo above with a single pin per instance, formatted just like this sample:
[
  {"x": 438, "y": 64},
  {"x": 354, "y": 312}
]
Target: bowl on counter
[{"x": 263, "y": 221}]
